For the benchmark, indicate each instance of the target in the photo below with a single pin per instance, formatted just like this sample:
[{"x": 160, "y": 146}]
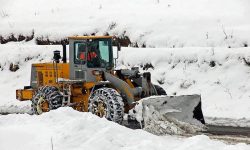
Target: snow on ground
[
  {"x": 222, "y": 84},
  {"x": 243, "y": 122},
  {"x": 72, "y": 130},
  {"x": 156, "y": 23}
]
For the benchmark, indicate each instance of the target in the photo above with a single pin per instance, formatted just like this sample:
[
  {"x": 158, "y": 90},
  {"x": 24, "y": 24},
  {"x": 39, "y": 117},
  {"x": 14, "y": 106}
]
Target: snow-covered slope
[
  {"x": 156, "y": 23},
  {"x": 220, "y": 75},
  {"x": 67, "y": 129}
]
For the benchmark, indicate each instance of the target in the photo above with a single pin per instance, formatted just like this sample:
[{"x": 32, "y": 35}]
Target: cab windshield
[{"x": 97, "y": 53}]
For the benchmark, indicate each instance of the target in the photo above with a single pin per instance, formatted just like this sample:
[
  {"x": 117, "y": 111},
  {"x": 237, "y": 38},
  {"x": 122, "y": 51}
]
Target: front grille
[{"x": 79, "y": 74}]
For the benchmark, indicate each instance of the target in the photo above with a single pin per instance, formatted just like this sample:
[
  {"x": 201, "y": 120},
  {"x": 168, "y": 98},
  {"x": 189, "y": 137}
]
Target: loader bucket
[{"x": 184, "y": 108}]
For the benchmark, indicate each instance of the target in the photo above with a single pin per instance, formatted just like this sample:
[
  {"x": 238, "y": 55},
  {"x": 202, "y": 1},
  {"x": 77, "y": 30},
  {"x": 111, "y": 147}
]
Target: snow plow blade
[{"x": 184, "y": 108}]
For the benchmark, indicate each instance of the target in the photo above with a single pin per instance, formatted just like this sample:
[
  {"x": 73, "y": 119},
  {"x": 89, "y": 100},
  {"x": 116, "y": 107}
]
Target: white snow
[
  {"x": 171, "y": 118},
  {"x": 156, "y": 23},
  {"x": 72, "y": 130},
  {"x": 243, "y": 122}
]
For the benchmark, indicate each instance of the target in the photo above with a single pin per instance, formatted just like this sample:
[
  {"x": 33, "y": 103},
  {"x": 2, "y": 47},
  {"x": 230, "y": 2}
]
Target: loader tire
[
  {"x": 46, "y": 94},
  {"x": 160, "y": 90},
  {"x": 108, "y": 103}
]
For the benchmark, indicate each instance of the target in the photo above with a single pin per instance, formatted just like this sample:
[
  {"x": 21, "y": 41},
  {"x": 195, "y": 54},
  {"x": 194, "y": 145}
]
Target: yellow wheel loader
[{"x": 88, "y": 82}]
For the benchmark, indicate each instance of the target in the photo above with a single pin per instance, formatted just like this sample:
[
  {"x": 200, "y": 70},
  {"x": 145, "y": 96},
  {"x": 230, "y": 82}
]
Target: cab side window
[{"x": 80, "y": 52}]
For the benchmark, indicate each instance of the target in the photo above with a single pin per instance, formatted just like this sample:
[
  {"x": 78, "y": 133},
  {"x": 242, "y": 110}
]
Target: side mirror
[
  {"x": 117, "y": 43},
  {"x": 118, "y": 46}
]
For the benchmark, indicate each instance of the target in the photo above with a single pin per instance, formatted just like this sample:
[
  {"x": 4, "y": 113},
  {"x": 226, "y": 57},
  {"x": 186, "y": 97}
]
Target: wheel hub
[
  {"x": 42, "y": 105},
  {"x": 100, "y": 109}
]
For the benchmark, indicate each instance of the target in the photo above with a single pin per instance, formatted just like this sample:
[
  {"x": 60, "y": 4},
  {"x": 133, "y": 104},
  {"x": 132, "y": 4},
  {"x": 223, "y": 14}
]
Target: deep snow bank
[
  {"x": 156, "y": 23},
  {"x": 69, "y": 129}
]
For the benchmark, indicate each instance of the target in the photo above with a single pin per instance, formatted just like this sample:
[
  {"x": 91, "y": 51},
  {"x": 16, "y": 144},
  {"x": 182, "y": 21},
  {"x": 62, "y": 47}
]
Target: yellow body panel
[
  {"x": 48, "y": 73},
  {"x": 80, "y": 99},
  {"x": 24, "y": 94}
]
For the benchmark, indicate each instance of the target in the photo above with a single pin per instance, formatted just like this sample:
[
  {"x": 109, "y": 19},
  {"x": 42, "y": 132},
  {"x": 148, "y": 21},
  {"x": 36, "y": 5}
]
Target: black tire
[
  {"x": 111, "y": 101},
  {"x": 50, "y": 94},
  {"x": 160, "y": 90}
]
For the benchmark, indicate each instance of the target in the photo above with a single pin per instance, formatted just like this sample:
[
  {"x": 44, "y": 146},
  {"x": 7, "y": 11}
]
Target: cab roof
[{"x": 89, "y": 37}]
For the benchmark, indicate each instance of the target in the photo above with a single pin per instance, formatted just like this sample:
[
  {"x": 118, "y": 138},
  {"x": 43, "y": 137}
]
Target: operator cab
[
  {"x": 88, "y": 53},
  {"x": 97, "y": 53}
]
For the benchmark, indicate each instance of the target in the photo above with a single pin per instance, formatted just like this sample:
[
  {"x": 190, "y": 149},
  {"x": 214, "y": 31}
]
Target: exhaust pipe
[{"x": 64, "y": 58}]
